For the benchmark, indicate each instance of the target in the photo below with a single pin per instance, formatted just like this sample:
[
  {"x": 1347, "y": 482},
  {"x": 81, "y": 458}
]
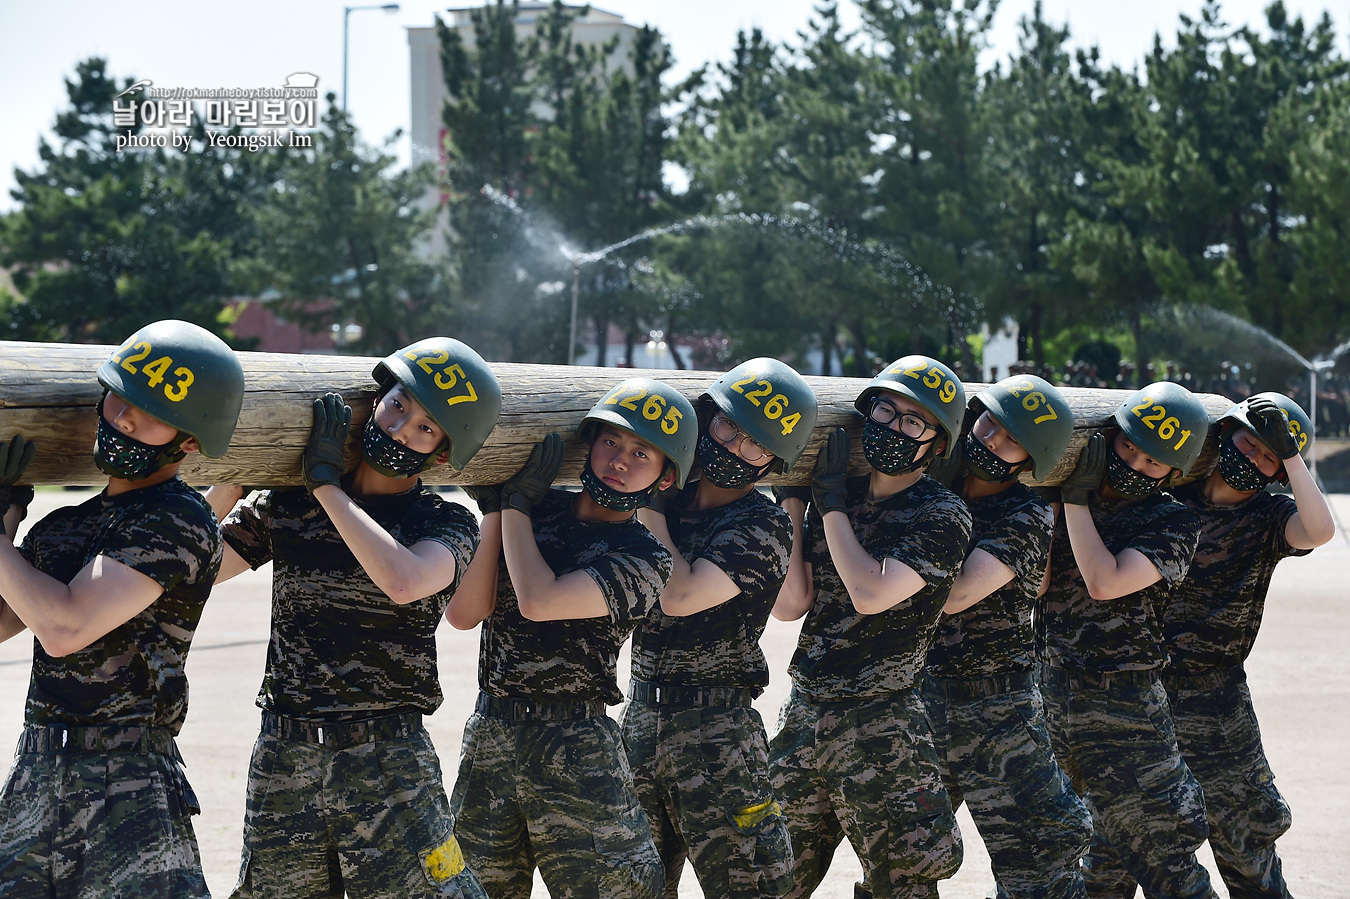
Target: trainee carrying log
[{"x": 48, "y": 393}]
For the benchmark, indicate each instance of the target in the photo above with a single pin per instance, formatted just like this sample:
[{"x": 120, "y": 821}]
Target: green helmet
[
  {"x": 930, "y": 384},
  {"x": 1300, "y": 425},
  {"x": 1034, "y": 412},
  {"x": 656, "y": 412},
  {"x": 183, "y": 375},
  {"x": 453, "y": 384},
  {"x": 768, "y": 400},
  {"x": 1167, "y": 422}
]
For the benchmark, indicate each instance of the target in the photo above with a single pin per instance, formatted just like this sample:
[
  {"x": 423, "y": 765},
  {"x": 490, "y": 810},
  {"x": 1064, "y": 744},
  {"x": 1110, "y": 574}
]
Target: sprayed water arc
[{"x": 907, "y": 279}]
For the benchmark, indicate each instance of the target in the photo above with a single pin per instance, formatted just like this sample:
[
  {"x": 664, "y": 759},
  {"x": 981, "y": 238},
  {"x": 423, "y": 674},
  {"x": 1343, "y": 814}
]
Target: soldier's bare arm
[
  {"x": 405, "y": 573},
  {"x": 67, "y": 618},
  {"x": 873, "y": 586},
  {"x": 795, "y": 596},
  {"x": 692, "y": 587},
  {"x": 981, "y": 575},
  {"x": 1106, "y": 576},
  {"x": 542, "y": 595},
  {"x": 475, "y": 598},
  {"x": 9, "y": 622},
  {"x": 1312, "y": 525},
  {"x": 222, "y": 498}
]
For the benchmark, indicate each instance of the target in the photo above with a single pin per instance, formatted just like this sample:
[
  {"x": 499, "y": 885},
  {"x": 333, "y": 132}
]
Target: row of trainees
[{"x": 1102, "y": 725}]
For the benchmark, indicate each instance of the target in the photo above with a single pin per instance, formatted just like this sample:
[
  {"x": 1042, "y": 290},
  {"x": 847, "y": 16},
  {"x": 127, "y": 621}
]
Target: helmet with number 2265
[{"x": 654, "y": 411}]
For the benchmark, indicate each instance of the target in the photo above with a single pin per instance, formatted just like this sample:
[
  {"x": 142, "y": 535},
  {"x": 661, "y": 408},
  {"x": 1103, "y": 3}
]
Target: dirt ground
[{"x": 1299, "y": 675}]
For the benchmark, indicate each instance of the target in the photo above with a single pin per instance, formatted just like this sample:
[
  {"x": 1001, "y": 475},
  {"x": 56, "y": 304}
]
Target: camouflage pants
[
  {"x": 557, "y": 795},
  {"x": 1221, "y": 741},
  {"x": 370, "y": 819},
  {"x": 93, "y": 825},
  {"x": 1116, "y": 742},
  {"x": 702, "y": 775},
  {"x": 997, "y": 756},
  {"x": 866, "y": 770}
]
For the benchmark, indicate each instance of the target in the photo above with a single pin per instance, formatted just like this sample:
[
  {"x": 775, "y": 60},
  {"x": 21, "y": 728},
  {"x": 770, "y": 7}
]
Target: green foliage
[
  {"x": 341, "y": 233},
  {"x": 852, "y": 196},
  {"x": 105, "y": 241}
]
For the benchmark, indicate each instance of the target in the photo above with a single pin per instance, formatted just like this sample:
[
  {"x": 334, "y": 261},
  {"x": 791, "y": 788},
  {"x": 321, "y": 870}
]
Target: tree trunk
[{"x": 48, "y": 393}]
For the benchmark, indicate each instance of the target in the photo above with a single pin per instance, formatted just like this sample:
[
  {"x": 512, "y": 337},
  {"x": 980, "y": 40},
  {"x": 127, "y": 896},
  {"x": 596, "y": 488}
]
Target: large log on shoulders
[{"x": 48, "y": 393}]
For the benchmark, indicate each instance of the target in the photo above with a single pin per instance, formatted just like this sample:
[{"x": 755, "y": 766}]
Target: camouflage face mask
[
  {"x": 725, "y": 469},
  {"x": 121, "y": 456},
  {"x": 1238, "y": 471},
  {"x": 607, "y": 497},
  {"x": 1123, "y": 479},
  {"x": 891, "y": 452},
  {"x": 984, "y": 464},
  {"x": 389, "y": 457}
]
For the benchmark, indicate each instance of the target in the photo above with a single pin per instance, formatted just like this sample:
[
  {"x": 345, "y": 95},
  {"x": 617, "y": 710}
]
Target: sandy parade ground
[{"x": 1299, "y": 675}]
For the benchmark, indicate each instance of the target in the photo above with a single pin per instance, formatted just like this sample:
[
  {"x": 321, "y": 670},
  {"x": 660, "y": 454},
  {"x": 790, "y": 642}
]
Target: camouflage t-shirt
[
  {"x": 1211, "y": 619},
  {"x": 844, "y": 654},
  {"x": 751, "y": 541},
  {"x": 574, "y": 659},
  {"x": 340, "y": 648},
  {"x": 1080, "y": 633},
  {"x": 994, "y": 636},
  {"x": 135, "y": 673}
]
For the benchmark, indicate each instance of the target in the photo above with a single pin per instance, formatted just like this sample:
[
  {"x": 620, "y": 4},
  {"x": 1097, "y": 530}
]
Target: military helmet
[
  {"x": 1034, "y": 412},
  {"x": 455, "y": 387},
  {"x": 183, "y": 375},
  {"x": 1300, "y": 425},
  {"x": 930, "y": 384},
  {"x": 771, "y": 403},
  {"x": 1167, "y": 422},
  {"x": 656, "y": 412}
]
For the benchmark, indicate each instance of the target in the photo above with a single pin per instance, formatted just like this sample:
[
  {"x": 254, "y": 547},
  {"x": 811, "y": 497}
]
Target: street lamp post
[
  {"x": 1319, "y": 365},
  {"x": 346, "y": 13},
  {"x": 572, "y": 332}
]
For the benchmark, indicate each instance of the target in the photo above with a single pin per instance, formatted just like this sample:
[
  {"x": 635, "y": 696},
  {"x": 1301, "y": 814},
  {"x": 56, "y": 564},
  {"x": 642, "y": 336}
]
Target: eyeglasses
[
  {"x": 725, "y": 432},
  {"x": 911, "y": 425}
]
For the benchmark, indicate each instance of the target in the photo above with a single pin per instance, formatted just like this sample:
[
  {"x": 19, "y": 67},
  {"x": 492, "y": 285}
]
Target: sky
[{"x": 258, "y": 43}]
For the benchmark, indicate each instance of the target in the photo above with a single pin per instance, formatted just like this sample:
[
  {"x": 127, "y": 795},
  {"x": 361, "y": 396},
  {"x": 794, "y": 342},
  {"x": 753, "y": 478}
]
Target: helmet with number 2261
[{"x": 1167, "y": 422}]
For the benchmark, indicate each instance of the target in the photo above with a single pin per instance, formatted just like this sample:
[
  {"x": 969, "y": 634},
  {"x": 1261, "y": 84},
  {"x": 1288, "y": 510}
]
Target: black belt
[
  {"x": 1097, "y": 680},
  {"x": 342, "y": 734},
  {"x": 958, "y": 688},
  {"x": 675, "y": 694},
  {"x": 102, "y": 738},
  {"x": 1209, "y": 680},
  {"x": 532, "y": 710}
]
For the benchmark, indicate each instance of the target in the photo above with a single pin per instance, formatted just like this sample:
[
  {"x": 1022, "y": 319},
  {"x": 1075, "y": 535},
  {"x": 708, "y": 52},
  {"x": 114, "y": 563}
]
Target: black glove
[
  {"x": 945, "y": 471},
  {"x": 488, "y": 496},
  {"x": 658, "y": 498},
  {"x": 323, "y": 460},
  {"x": 828, "y": 490},
  {"x": 1272, "y": 427},
  {"x": 14, "y": 458},
  {"x": 782, "y": 493},
  {"x": 523, "y": 490},
  {"x": 1087, "y": 475},
  {"x": 1047, "y": 494}
]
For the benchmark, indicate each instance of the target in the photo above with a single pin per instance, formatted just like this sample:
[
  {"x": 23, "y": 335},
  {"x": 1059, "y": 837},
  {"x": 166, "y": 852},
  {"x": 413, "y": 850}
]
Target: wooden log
[{"x": 48, "y": 393}]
